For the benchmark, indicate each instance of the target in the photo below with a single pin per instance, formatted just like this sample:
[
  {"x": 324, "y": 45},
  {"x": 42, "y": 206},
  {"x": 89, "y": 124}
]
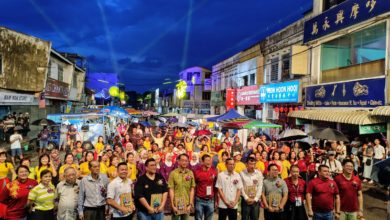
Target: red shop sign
[
  {"x": 230, "y": 98},
  {"x": 248, "y": 95}
]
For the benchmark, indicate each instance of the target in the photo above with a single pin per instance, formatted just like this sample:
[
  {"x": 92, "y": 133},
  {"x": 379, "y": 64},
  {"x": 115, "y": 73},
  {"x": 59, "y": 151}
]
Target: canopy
[
  {"x": 115, "y": 110},
  {"x": 230, "y": 116},
  {"x": 260, "y": 124},
  {"x": 171, "y": 114}
]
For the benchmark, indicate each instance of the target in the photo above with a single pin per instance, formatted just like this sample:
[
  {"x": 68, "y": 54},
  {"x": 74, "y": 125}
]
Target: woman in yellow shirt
[
  {"x": 84, "y": 167},
  {"x": 189, "y": 142},
  {"x": 131, "y": 165},
  {"x": 27, "y": 162},
  {"x": 99, "y": 146},
  {"x": 147, "y": 143},
  {"x": 44, "y": 164},
  {"x": 104, "y": 162},
  {"x": 6, "y": 167},
  {"x": 221, "y": 166},
  {"x": 111, "y": 171},
  {"x": 285, "y": 166},
  {"x": 69, "y": 162}
]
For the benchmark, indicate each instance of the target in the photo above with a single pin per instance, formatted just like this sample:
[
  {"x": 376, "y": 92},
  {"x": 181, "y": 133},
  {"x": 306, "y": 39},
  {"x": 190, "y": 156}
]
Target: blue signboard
[
  {"x": 343, "y": 15},
  {"x": 368, "y": 93},
  {"x": 286, "y": 92}
]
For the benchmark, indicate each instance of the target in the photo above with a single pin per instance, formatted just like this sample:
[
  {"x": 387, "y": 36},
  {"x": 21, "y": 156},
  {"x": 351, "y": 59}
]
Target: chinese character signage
[
  {"x": 343, "y": 15},
  {"x": 248, "y": 95},
  {"x": 55, "y": 88},
  {"x": 230, "y": 98},
  {"x": 368, "y": 93},
  {"x": 286, "y": 92},
  {"x": 372, "y": 129}
]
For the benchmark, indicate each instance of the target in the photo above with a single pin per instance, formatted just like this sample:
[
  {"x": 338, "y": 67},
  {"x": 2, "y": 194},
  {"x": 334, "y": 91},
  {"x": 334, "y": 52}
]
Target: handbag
[{"x": 368, "y": 161}]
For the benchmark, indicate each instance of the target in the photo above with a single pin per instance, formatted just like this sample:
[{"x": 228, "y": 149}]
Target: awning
[
  {"x": 381, "y": 111},
  {"x": 356, "y": 117}
]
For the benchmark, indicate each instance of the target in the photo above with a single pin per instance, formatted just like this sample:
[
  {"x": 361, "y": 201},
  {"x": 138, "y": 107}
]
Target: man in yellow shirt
[{"x": 240, "y": 166}]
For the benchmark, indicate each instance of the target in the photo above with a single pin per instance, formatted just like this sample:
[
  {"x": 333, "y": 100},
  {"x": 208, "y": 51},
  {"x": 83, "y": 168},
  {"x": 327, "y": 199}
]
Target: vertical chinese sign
[{"x": 230, "y": 98}]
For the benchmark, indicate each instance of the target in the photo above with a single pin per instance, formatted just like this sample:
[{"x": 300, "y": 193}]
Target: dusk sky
[{"x": 148, "y": 41}]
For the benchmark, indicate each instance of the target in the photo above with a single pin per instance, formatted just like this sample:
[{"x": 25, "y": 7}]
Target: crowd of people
[{"x": 153, "y": 172}]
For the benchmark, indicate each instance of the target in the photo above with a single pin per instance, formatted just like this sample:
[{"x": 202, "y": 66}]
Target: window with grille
[
  {"x": 286, "y": 66},
  {"x": 60, "y": 73},
  {"x": 252, "y": 79},
  {"x": 275, "y": 69},
  {"x": 74, "y": 81}
]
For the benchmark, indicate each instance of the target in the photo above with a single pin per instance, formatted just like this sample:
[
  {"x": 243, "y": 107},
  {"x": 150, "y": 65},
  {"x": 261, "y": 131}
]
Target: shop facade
[{"x": 349, "y": 67}]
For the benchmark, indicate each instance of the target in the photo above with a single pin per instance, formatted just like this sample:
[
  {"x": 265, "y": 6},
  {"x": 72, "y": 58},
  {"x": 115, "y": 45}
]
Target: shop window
[
  {"x": 286, "y": 66},
  {"x": 327, "y": 4},
  {"x": 245, "y": 81},
  {"x": 74, "y": 80},
  {"x": 362, "y": 53},
  {"x": 252, "y": 79},
  {"x": 274, "y": 69},
  {"x": 60, "y": 73},
  {"x": 206, "y": 95},
  {"x": 189, "y": 76},
  {"x": 207, "y": 75}
]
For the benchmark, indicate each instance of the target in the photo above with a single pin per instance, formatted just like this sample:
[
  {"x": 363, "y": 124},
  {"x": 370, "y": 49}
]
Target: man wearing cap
[
  {"x": 334, "y": 165},
  {"x": 239, "y": 166}
]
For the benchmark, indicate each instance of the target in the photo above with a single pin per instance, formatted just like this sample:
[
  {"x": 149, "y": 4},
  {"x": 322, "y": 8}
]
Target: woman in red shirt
[
  {"x": 16, "y": 194},
  {"x": 302, "y": 164}
]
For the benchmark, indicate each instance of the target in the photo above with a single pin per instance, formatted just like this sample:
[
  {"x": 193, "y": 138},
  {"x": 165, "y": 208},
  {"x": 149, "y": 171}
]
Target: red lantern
[
  {"x": 276, "y": 109},
  {"x": 281, "y": 109},
  {"x": 290, "y": 109},
  {"x": 296, "y": 109}
]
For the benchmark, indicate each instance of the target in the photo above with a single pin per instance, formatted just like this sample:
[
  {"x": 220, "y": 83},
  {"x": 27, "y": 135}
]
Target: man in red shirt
[
  {"x": 351, "y": 197},
  {"x": 205, "y": 177},
  {"x": 322, "y": 196},
  {"x": 296, "y": 195}
]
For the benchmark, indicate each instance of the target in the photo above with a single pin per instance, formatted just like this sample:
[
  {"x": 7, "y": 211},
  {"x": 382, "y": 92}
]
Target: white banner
[{"x": 15, "y": 97}]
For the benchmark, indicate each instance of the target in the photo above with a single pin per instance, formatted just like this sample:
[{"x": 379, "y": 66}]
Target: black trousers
[
  {"x": 94, "y": 213},
  {"x": 230, "y": 213},
  {"x": 295, "y": 213},
  {"x": 249, "y": 212},
  {"x": 40, "y": 215},
  {"x": 274, "y": 215}
]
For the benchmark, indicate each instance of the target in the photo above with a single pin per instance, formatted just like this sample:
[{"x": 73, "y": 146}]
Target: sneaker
[
  {"x": 365, "y": 181},
  {"x": 371, "y": 182}
]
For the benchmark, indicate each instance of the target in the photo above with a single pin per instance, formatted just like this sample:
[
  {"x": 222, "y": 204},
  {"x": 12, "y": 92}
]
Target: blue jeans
[
  {"x": 204, "y": 207},
  {"x": 323, "y": 216},
  {"x": 43, "y": 144},
  {"x": 147, "y": 216}
]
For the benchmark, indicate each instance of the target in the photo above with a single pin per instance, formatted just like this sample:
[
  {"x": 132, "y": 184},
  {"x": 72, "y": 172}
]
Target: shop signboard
[
  {"x": 230, "y": 99},
  {"x": 372, "y": 129},
  {"x": 216, "y": 99},
  {"x": 344, "y": 15},
  {"x": 285, "y": 92},
  {"x": 57, "y": 89},
  {"x": 248, "y": 95},
  {"x": 367, "y": 93},
  {"x": 9, "y": 97}
]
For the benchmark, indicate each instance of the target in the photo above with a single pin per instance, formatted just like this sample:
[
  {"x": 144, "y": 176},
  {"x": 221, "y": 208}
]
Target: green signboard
[
  {"x": 372, "y": 129},
  {"x": 300, "y": 121}
]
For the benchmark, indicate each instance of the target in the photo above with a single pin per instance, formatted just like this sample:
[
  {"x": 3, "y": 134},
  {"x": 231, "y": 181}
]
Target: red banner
[
  {"x": 230, "y": 98},
  {"x": 248, "y": 95}
]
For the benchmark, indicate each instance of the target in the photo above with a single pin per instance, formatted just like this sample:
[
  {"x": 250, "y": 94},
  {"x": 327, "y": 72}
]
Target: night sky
[{"x": 148, "y": 42}]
